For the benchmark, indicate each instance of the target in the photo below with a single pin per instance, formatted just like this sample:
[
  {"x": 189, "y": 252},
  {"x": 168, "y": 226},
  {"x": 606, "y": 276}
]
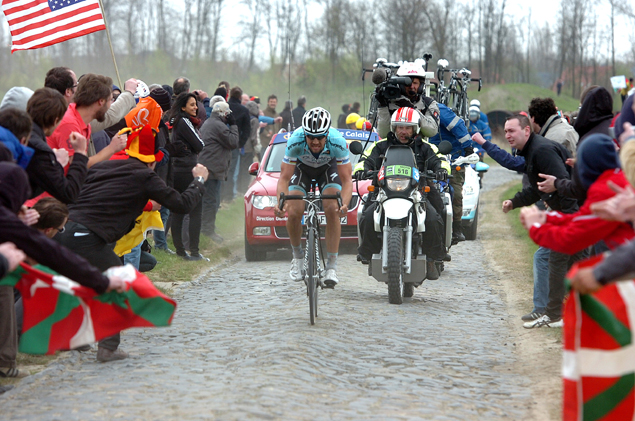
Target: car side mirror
[
  {"x": 356, "y": 148},
  {"x": 445, "y": 147},
  {"x": 253, "y": 168}
]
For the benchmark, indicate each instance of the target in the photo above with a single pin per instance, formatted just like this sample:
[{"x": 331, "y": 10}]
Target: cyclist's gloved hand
[
  {"x": 468, "y": 151},
  {"x": 442, "y": 175}
]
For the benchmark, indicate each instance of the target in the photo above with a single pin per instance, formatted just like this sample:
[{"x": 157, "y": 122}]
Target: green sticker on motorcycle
[{"x": 399, "y": 170}]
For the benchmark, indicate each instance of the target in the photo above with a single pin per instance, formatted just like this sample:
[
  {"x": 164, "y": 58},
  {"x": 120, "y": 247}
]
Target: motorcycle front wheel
[{"x": 395, "y": 266}]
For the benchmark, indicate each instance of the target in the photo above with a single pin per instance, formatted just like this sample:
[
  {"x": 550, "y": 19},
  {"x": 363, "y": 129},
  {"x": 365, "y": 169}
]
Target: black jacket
[
  {"x": 47, "y": 175},
  {"x": 184, "y": 132},
  {"x": 14, "y": 190},
  {"x": 241, "y": 114},
  {"x": 298, "y": 113},
  {"x": 116, "y": 192},
  {"x": 547, "y": 157},
  {"x": 423, "y": 153}
]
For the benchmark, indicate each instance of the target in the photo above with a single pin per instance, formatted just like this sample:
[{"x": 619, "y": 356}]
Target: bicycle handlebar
[{"x": 284, "y": 198}]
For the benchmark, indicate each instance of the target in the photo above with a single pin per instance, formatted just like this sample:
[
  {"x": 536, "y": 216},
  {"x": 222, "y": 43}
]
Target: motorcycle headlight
[
  {"x": 262, "y": 202},
  {"x": 398, "y": 183}
]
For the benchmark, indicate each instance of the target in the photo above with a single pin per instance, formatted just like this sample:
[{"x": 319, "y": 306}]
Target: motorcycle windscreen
[{"x": 400, "y": 155}]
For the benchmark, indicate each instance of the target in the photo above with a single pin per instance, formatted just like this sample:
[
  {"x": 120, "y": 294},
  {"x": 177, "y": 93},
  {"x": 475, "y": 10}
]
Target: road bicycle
[
  {"x": 458, "y": 99},
  {"x": 313, "y": 255}
]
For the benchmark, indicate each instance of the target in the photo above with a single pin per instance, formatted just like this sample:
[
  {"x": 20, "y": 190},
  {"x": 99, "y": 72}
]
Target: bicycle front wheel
[{"x": 312, "y": 274}]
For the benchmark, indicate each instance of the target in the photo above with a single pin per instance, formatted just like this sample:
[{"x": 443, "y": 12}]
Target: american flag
[{"x": 40, "y": 23}]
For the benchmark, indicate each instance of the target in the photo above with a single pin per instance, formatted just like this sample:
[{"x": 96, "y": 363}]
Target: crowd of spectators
[{"x": 83, "y": 163}]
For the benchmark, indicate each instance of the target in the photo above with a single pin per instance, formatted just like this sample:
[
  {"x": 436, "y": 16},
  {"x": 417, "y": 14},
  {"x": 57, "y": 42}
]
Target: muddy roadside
[{"x": 509, "y": 255}]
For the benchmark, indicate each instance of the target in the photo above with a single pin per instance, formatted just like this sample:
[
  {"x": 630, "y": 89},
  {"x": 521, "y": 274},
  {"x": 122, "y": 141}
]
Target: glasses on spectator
[
  {"x": 61, "y": 230},
  {"x": 310, "y": 137}
]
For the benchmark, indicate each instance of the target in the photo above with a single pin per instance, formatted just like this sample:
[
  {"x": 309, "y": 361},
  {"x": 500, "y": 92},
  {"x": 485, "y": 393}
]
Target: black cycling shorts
[{"x": 325, "y": 177}]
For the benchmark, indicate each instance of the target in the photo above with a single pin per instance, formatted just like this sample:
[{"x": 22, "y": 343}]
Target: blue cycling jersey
[{"x": 298, "y": 150}]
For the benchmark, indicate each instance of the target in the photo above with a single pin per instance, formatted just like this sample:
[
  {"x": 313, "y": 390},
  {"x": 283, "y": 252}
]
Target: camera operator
[
  {"x": 393, "y": 93},
  {"x": 405, "y": 123}
]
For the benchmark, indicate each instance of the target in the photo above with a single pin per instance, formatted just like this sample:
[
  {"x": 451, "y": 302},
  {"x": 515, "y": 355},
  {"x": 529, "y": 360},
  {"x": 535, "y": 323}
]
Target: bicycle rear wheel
[{"x": 312, "y": 274}]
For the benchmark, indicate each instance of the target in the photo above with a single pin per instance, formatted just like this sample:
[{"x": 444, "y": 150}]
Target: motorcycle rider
[
  {"x": 413, "y": 98},
  {"x": 405, "y": 124},
  {"x": 453, "y": 130},
  {"x": 315, "y": 152}
]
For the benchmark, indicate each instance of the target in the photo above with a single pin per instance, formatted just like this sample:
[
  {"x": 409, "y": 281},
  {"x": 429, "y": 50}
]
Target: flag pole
[{"x": 112, "y": 52}]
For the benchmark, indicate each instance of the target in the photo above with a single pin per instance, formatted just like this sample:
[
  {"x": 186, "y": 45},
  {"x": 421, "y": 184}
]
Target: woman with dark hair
[{"x": 183, "y": 122}]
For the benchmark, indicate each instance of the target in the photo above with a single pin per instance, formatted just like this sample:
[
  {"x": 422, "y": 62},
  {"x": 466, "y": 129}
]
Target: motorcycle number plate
[
  {"x": 322, "y": 219},
  {"x": 399, "y": 170}
]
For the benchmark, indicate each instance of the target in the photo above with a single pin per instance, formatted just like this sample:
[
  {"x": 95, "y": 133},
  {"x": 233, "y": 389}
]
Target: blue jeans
[
  {"x": 541, "y": 279},
  {"x": 160, "y": 241},
  {"x": 134, "y": 257}
]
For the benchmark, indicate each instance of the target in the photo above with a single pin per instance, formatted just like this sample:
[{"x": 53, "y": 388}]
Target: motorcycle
[{"x": 400, "y": 218}]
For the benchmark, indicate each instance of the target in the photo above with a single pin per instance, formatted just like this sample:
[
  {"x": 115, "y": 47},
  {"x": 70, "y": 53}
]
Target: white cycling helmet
[
  {"x": 316, "y": 121},
  {"x": 410, "y": 69},
  {"x": 475, "y": 103},
  {"x": 405, "y": 116}
]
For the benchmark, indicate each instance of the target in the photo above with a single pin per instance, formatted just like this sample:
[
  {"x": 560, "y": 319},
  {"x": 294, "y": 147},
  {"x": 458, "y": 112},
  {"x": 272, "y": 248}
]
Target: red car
[{"x": 266, "y": 232}]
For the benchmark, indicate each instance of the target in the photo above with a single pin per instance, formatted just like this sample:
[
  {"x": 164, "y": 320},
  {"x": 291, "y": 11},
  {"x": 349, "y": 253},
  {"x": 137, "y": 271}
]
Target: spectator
[
  {"x": 63, "y": 80},
  {"x": 225, "y": 84},
  {"x": 546, "y": 122},
  {"x": 595, "y": 114},
  {"x": 92, "y": 101},
  {"x": 341, "y": 120},
  {"x": 221, "y": 93},
  {"x": 221, "y": 136},
  {"x": 116, "y": 91},
  {"x": 241, "y": 116},
  {"x": 53, "y": 216},
  {"x": 559, "y": 86},
  {"x": 298, "y": 112},
  {"x": 201, "y": 100},
  {"x": 115, "y": 194},
  {"x": 269, "y": 131},
  {"x": 16, "y": 97},
  {"x": 183, "y": 121},
  {"x": 355, "y": 108},
  {"x": 15, "y": 130},
  {"x": 181, "y": 85},
  {"x": 543, "y": 156},
  {"x": 14, "y": 190},
  {"x": 287, "y": 116},
  {"x": 244, "y": 99},
  {"x": 351, "y": 121},
  {"x": 252, "y": 147}
]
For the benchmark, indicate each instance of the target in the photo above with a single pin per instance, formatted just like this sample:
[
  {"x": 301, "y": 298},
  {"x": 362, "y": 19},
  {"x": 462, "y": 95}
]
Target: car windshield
[{"x": 277, "y": 153}]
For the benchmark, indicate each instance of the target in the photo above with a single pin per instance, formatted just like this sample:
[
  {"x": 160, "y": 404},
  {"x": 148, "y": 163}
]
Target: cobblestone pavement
[{"x": 241, "y": 348}]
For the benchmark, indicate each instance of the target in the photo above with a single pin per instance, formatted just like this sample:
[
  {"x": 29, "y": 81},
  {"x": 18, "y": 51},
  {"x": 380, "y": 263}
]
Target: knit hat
[
  {"x": 168, "y": 89},
  {"x": 143, "y": 146},
  {"x": 116, "y": 88},
  {"x": 216, "y": 98},
  {"x": 352, "y": 118},
  {"x": 626, "y": 116},
  {"x": 162, "y": 97},
  {"x": 595, "y": 155},
  {"x": 17, "y": 97},
  {"x": 221, "y": 108},
  {"x": 221, "y": 91},
  {"x": 255, "y": 99}
]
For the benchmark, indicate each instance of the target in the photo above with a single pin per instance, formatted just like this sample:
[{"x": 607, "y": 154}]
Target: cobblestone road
[{"x": 241, "y": 348}]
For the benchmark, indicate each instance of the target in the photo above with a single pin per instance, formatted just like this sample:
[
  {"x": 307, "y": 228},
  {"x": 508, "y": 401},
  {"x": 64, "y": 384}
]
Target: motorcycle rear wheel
[{"x": 395, "y": 266}]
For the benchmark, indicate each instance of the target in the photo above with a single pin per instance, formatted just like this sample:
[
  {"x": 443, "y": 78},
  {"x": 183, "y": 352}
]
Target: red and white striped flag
[{"x": 40, "y": 23}]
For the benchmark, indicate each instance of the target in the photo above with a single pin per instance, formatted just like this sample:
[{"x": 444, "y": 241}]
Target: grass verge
[{"x": 229, "y": 224}]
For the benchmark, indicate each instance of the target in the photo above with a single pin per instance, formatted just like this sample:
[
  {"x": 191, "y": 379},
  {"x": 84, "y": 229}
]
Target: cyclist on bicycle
[
  {"x": 316, "y": 154},
  {"x": 413, "y": 98},
  {"x": 405, "y": 125}
]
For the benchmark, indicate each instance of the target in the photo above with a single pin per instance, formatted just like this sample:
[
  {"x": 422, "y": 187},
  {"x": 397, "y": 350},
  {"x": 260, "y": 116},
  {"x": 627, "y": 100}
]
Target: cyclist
[
  {"x": 319, "y": 153},
  {"x": 453, "y": 130},
  {"x": 482, "y": 116},
  {"x": 405, "y": 123},
  {"x": 413, "y": 98}
]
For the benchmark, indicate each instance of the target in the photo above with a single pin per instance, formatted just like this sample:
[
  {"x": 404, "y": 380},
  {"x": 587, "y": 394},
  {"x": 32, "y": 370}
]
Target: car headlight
[
  {"x": 467, "y": 190},
  {"x": 262, "y": 202},
  {"x": 398, "y": 183}
]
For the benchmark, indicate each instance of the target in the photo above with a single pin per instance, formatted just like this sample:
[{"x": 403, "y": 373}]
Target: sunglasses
[{"x": 310, "y": 137}]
